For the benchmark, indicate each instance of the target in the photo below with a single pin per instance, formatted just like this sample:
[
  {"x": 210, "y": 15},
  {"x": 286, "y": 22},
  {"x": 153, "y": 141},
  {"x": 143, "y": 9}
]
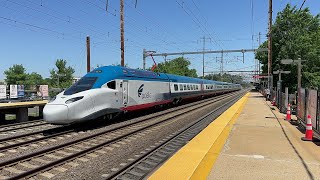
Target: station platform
[
  {"x": 251, "y": 140},
  {"x": 20, "y": 109}
]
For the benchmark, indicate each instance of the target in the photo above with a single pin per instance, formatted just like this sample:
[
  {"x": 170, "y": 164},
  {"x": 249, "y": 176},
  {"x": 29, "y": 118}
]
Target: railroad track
[
  {"x": 25, "y": 126},
  {"x": 142, "y": 166},
  {"x": 40, "y": 162},
  {"x": 15, "y": 144}
]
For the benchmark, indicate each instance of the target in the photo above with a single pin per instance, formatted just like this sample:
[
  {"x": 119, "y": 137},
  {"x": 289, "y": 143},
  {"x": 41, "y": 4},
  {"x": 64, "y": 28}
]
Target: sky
[{"x": 35, "y": 33}]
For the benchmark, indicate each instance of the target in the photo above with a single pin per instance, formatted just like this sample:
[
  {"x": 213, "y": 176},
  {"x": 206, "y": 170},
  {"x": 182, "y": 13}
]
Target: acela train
[{"x": 112, "y": 89}]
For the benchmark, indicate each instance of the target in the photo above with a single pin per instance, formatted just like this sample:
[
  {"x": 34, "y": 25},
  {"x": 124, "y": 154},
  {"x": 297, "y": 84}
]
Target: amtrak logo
[
  {"x": 146, "y": 95},
  {"x": 140, "y": 90}
]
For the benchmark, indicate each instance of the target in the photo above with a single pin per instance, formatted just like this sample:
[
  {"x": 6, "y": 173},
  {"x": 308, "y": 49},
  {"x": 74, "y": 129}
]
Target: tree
[
  {"x": 32, "y": 80},
  {"x": 236, "y": 79},
  {"x": 62, "y": 76},
  {"x": 15, "y": 74},
  {"x": 295, "y": 34},
  {"x": 178, "y": 66}
]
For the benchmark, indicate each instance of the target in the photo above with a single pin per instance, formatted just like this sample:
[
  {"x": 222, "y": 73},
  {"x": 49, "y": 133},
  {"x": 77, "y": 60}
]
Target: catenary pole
[
  {"x": 270, "y": 47},
  {"x": 88, "y": 54},
  {"x": 122, "y": 31}
]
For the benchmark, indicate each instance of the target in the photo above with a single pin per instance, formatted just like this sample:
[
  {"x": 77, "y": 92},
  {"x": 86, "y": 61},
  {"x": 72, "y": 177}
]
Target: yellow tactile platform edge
[
  {"x": 23, "y": 103},
  {"x": 195, "y": 159}
]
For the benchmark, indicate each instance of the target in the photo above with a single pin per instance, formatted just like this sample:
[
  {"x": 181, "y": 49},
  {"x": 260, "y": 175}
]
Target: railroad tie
[
  {"x": 14, "y": 170},
  {"x": 28, "y": 165},
  {"x": 47, "y": 175},
  {"x": 41, "y": 160},
  {"x": 60, "y": 169},
  {"x": 52, "y": 156}
]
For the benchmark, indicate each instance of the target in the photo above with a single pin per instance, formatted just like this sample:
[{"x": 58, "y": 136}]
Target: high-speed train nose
[{"x": 57, "y": 114}]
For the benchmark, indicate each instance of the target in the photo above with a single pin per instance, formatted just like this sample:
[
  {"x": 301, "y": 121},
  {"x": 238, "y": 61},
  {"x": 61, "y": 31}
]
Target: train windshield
[{"x": 83, "y": 84}]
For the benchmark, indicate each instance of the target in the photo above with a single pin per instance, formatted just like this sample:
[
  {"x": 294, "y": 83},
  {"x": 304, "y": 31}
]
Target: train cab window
[
  {"x": 176, "y": 87},
  {"x": 111, "y": 84},
  {"x": 83, "y": 84},
  {"x": 184, "y": 87}
]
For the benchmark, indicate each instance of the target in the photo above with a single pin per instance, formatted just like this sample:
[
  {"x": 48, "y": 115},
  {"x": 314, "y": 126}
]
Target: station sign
[
  {"x": 43, "y": 91},
  {"x": 3, "y": 91},
  {"x": 260, "y": 77},
  {"x": 13, "y": 91},
  {"x": 20, "y": 91},
  {"x": 287, "y": 61}
]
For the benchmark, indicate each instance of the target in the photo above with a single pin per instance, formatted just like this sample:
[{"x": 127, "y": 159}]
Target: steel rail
[
  {"x": 123, "y": 170},
  {"x": 70, "y": 131},
  {"x": 64, "y": 145}
]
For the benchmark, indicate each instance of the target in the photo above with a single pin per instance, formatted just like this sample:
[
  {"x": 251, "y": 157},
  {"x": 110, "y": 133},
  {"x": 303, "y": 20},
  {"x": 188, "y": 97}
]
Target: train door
[{"x": 125, "y": 92}]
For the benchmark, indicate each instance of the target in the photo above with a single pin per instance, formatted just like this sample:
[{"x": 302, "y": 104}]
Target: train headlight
[{"x": 74, "y": 99}]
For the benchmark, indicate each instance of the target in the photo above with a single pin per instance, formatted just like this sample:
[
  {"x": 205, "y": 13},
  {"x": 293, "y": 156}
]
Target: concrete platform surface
[
  {"x": 196, "y": 158},
  {"x": 23, "y": 104},
  {"x": 262, "y": 145}
]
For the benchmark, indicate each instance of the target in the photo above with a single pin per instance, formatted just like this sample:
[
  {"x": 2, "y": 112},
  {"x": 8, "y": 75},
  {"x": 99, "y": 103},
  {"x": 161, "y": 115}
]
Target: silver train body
[{"x": 113, "y": 89}]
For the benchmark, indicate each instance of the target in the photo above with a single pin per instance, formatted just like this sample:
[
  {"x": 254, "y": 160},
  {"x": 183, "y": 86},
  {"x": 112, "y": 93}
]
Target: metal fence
[{"x": 308, "y": 103}]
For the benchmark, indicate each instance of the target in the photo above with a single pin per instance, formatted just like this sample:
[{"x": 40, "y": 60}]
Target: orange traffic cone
[
  {"x": 308, "y": 136},
  {"x": 274, "y": 101},
  {"x": 288, "y": 118}
]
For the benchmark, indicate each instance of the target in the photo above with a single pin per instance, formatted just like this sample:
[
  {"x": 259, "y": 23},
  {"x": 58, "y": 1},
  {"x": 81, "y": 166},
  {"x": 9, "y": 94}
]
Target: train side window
[
  {"x": 111, "y": 84},
  {"x": 176, "y": 87},
  {"x": 191, "y": 87},
  {"x": 188, "y": 86},
  {"x": 181, "y": 87},
  {"x": 185, "y": 87}
]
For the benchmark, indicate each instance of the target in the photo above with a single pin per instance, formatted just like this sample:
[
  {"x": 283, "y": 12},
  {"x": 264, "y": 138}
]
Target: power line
[{"x": 302, "y": 5}]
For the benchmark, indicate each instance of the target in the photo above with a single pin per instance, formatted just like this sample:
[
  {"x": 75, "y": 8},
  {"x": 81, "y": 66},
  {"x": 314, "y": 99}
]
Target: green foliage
[
  {"x": 295, "y": 34},
  {"x": 16, "y": 74},
  {"x": 32, "y": 80},
  {"x": 225, "y": 78},
  {"x": 62, "y": 76},
  {"x": 178, "y": 66}
]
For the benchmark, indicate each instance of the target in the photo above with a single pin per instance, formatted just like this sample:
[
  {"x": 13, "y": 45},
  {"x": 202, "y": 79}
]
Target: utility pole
[
  {"x": 122, "y": 31},
  {"x": 296, "y": 62},
  {"x": 258, "y": 62},
  {"x": 270, "y": 47},
  {"x": 299, "y": 74},
  {"x": 144, "y": 59},
  {"x": 204, "y": 45},
  {"x": 259, "y": 46},
  {"x": 221, "y": 62},
  {"x": 203, "y": 49},
  {"x": 88, "y": 54}
]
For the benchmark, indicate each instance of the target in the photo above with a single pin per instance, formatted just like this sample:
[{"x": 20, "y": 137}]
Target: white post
[{"x": 286, "y": 101}]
